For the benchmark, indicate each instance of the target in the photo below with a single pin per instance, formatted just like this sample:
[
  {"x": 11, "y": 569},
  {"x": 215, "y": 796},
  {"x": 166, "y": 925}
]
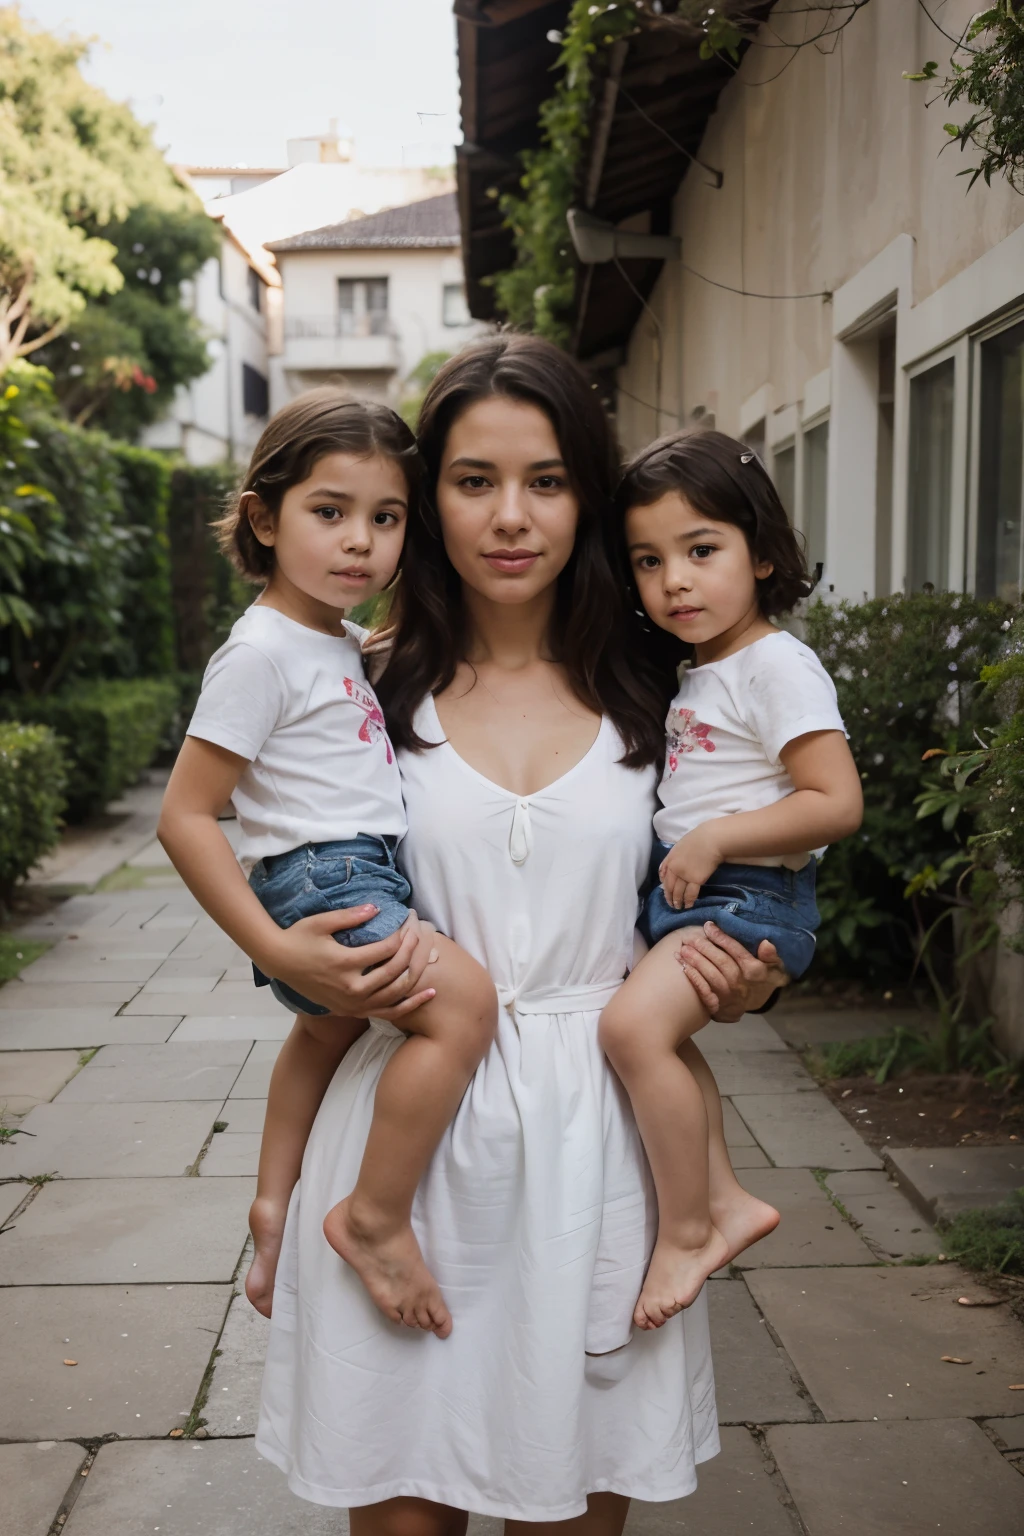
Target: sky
[{"x": 226, "y": 82}]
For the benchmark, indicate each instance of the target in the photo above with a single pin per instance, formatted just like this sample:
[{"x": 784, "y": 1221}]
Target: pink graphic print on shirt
[
  {"x": 373, "y": 727},
  {"x": 685, "y": 733}
]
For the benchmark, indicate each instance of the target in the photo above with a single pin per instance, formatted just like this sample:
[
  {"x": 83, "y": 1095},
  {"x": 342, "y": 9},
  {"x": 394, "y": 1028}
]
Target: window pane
[
  {"x": 784, "y": 472},
  {"x": 1001, "y": 467},
  {"x": 931, "y": 476},
  {"x": 255, "y": 393},
  {"x": 815, "y": 492},
  {"x": 453, "y": 310}
]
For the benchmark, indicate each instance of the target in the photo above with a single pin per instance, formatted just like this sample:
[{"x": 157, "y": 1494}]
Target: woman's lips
[{"x": 512, "y": 561}]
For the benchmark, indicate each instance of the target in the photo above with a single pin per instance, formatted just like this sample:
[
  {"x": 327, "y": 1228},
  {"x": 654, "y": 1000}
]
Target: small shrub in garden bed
[
  {"x": 907, "y": 671},
  {"x": 32, "y": 779},
  {"x": 990, "y": 1240},
  {"x": 111, "y": 731}
]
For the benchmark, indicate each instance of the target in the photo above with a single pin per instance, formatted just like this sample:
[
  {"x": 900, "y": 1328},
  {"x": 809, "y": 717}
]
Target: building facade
[{"x": 364, "y": 301}]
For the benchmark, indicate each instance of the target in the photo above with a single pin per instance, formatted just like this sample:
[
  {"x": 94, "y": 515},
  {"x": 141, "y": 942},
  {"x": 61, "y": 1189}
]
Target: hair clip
[{"x": 748, "y": 457}]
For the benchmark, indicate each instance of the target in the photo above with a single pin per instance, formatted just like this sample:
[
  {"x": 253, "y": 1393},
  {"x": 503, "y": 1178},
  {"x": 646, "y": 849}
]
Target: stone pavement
[{"x": 138, "y": 1055}]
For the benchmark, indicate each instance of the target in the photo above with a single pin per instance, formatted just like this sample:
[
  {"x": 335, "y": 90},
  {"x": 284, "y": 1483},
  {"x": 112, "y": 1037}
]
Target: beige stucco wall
[{"x": 824, "y": 168}]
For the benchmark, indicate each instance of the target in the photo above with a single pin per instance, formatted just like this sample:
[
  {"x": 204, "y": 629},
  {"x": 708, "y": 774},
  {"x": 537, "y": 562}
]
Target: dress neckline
[{"x": 501, "y": 788}]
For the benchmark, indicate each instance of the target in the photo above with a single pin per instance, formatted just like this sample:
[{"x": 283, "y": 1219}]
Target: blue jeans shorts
[
  {"x": 749, "y": 902},
  {"x": 328, "y": 877}
]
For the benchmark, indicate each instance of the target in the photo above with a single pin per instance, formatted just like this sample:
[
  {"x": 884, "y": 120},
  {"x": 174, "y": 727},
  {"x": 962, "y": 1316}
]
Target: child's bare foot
[
  {"x": 676, "y": 1277},
  {"x": 266, "y": 1223},
  {"x": 388, "y": 1261},
  {"x": 743, "y": 1221}
]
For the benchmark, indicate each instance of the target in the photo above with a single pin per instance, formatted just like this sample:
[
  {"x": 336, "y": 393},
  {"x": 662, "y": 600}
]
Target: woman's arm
[
  {"x": 826, "y": 805},
  {"x": 305, "y": 955}
]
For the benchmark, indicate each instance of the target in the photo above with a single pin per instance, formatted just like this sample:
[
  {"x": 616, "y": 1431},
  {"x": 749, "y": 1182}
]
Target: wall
[{"x": 416, "y": 279}]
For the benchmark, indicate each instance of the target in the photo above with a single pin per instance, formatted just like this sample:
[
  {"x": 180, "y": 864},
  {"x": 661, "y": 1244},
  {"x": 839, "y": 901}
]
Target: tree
[{"x": 73, "y": 164}]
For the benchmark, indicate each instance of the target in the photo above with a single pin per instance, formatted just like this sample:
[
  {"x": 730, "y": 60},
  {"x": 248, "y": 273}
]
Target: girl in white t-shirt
[
  {"x": 758, "y": 777},
  {"x": 288, "y": 729}
]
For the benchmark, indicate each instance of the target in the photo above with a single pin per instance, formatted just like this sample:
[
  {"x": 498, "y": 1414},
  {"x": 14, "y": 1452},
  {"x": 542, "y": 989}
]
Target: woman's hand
[
  {"x": 309, "y": 958},
  {"x": 729, "y": 980}
]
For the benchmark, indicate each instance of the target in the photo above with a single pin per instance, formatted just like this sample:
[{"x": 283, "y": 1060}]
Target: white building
[{"x": 366, "y": 299}]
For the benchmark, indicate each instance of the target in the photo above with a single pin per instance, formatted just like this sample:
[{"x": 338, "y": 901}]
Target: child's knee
[
  {"x": 477, "y": 1011},
  {"x": 616, "y": 1031}
]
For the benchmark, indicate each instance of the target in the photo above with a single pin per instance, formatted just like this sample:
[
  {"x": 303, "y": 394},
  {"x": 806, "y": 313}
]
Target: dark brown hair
[
  {"x": 726, "y": 481},
  {"x": 595, "y": 634},
  {"x": 301, "y": 433}
]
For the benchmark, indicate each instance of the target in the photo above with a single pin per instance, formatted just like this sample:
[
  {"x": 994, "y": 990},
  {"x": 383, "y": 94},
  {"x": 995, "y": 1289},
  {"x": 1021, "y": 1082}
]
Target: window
[
  {"x": 362, "y": 306},
  {"x": 931, "y": 476},
  {"x": 815, "y": 493},
  {"x": 454, "y": 310},
  {"x": 255, "y": 289},
  {"x": 884, "y": 459},
  {"x": 255, "y": 395},
  {"x": 784, "y": 475},
  {"x": 1000, "y": 559}
]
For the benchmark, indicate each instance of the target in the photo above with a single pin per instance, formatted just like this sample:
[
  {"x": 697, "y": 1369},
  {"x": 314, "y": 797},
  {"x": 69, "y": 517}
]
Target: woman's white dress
[{"x": 536, "y": 1214}]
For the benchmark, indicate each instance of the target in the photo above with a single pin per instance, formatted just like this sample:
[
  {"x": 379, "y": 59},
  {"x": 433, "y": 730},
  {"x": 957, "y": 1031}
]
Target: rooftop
[{"x": 429, "y": 223}]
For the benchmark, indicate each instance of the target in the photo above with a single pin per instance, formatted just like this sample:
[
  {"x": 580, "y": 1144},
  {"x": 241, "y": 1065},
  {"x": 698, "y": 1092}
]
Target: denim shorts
[
  {"x": 749, "y": 902},
  {"x": 328, "y": 877}
]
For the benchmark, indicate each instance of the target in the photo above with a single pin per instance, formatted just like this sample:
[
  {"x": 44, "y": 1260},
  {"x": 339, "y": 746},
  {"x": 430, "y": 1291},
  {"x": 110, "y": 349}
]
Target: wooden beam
[{"x": 495, "y": 13}]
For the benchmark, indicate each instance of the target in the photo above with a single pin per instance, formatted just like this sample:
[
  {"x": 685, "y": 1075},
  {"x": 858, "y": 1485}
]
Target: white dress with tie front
[{"x": 536, "y": 1214}]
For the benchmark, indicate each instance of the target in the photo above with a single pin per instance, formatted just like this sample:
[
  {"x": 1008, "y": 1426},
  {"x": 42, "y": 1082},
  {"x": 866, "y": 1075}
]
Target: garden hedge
[
  {"x": 144, "y": 481},
  {"x": 208, "y": 593},
  {"x": 111, "y": 731},
  {"x": 32, "y": 779}
]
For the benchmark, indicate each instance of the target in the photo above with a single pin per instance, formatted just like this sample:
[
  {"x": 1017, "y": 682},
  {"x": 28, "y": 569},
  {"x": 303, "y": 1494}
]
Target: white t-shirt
[
  {"x": 297, "y": 704},
  {"x": 725, "y": 730}
]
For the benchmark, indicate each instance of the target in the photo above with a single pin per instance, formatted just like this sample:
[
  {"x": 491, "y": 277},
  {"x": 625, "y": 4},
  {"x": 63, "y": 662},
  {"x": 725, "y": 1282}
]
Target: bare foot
[
  {"x": 389, "y": 1263},
  {"x": 675, "y": 1278},
  {"x": 266, "y": 1223},
  {"x": 743, "y": 1221}
]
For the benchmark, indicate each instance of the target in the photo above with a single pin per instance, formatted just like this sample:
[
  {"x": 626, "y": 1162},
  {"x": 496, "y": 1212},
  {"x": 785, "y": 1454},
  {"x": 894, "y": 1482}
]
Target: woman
[{"x": 529, "y": 724}]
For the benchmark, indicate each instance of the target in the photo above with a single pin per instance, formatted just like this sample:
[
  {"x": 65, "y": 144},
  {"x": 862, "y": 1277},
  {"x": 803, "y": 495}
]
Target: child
[
  {"x": 758, "y": 776},
  {"x": 288, "y": 728}
]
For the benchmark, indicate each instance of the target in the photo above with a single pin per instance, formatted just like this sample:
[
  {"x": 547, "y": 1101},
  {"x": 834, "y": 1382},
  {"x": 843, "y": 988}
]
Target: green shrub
[
  {"x": 209, "y": 594},
  {"x": 907, "y": 673},
  {"x": 991, "y": 1240},
  {"x": 148, "y": 621},
  {"x": 111, "y": 729},
  {"x": 32, "y": 779}
]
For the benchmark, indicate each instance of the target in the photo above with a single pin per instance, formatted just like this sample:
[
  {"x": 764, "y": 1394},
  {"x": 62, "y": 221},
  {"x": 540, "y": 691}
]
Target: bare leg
[
  {"x": 605, "y": 1516},
  {"x": 305, "y": 1065},
  {"x": 741, "y": 1218},
  {"x": 653, "y": 1012},
  {"x": 407, "y": 1517},
  {"x": 417, "y": 1096}
]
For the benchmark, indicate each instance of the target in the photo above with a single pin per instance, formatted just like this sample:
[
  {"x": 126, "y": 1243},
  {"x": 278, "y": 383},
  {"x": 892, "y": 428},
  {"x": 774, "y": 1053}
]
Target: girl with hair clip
[{"x": 757, "y": 779}]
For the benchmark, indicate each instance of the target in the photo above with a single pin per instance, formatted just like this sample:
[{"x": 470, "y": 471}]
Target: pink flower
[{"x": 685, "y": 733}]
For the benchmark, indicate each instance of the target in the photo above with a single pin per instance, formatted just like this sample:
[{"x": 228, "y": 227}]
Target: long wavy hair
[{"x": 596, "y": 635}]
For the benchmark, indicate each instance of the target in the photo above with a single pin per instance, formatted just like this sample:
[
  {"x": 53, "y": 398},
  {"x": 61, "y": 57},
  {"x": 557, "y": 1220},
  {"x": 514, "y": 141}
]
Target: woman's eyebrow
[{"x": 489, "y": 464}]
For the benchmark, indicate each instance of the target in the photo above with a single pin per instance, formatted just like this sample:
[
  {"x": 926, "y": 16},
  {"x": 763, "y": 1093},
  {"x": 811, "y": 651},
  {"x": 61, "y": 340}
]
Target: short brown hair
[
  {"x": 725, "y": 480},
  {"x": 323, "y": 421}
]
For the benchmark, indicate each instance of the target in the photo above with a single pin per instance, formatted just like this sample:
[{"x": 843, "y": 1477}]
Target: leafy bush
[
  {"x": 32, "y": 779},
  {"x": 991, "y": 1240},
  {"x": 148, "y": 621},
  {"x": 907, "y": 671},
  {"x": 111, "y": 730},
  {"x": 209, "y": 594}
]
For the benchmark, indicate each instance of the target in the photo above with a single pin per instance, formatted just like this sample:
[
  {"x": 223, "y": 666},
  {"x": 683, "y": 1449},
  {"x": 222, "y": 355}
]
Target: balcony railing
[{"x": 342, "y": 323}]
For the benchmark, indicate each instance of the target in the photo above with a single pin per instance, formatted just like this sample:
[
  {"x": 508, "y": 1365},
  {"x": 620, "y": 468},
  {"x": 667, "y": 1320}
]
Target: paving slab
[
  {"x": 897, "y": 1479},
  {"x": 28, "y": 1078},
  {"x": 801, "y": 1027},
  {"x": 231, "y": 1156},
  {"x": 253, "y": 1082},
  {"x": 109, "y": 1231},
  {"x": 33, "y": 1482},
  {"x": 888, "y": 1221},
  {"x": 944, "y": 1180},
  {"x": 869, "y": 1342},
  {"x": 71, "y": 966},
  {"x": 226, "y": 998},
  {"x": 737, "y": 1131},
  {"x": 147, "y": 1073},
  {"x": 1010, "y": 1431},
  {"x": 811, "y": 1231},
  {"x": 11, "y": 1196},
  {"x": 753, "y": 1383},
  {"x": 220, "y": 1488},
  {"x": 803, "y": 1130},
  {"x": 735, "y": 1493},
  {"x": 750, "y": 1033},
  {"x": 744, "y": 1072},
  {"x": 748, "y": 1157},
  {"x": 241, "y": 1026},
  {"x": 109, "y": 1141},
  {"x": 141, "y": 1353},
  {"x": 233, "y": 1403},
  {"x": 240, "y": 1115},
  {"x": 57, "y": 1028},
  {"x": 112, "y": 943},
  {"x": 16, "y": 996}
]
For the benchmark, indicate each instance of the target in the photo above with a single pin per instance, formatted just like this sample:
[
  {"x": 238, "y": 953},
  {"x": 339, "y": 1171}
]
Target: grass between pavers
[
  {"x": 138, "y": 877},
  {"x": 989, "y": 1241},
  {"x": 16, "y": 953}
]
